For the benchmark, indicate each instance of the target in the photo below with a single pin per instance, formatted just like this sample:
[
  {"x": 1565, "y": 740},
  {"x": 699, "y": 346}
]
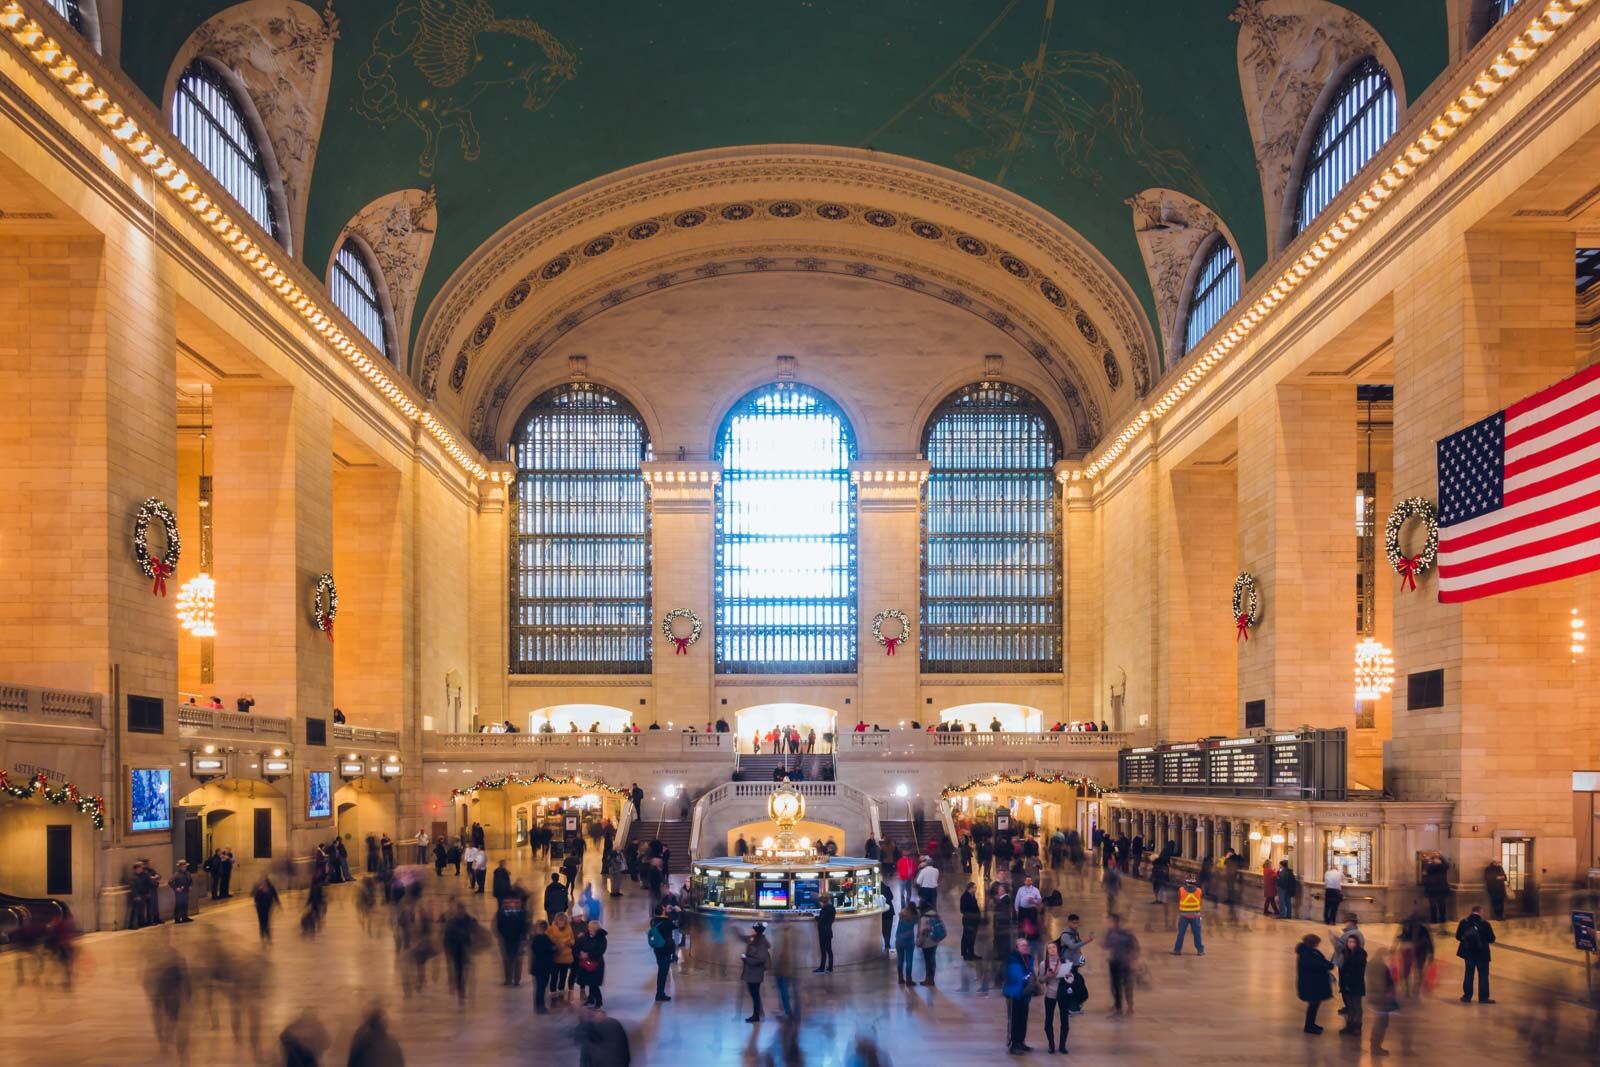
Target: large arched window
[
  {"x": 1499, "y": 9},
  {"x": 353, "y": 285},
  {"x": 1216, "y": 289},
  {"x": 71, "y": 11},
  {"x": 991, "y": 571},
  {"x": 786, "y": 535},
  {"x": 208, "y": 120},
  {"x": 580, "y": 536},
  {"x": 1361, "y": 117}
]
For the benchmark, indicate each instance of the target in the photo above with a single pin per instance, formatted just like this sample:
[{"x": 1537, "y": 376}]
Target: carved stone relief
[
  {"x": 1171, "y": 229},
  {"x": 399, "y": 229},
  {"x": 283, "y": 53},
  {"x": 1290, "y": 52}
]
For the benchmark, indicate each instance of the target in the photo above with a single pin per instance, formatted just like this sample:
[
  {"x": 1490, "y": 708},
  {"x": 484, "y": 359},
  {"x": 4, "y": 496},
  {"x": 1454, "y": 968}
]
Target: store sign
[{"x": 1583, "y": 930}]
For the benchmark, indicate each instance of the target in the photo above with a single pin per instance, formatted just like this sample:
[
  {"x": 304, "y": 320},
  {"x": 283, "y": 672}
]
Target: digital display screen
[
  {"x": 319, "y": 794},
  {"x": 151, "y": 799},
  {"x": 808, "y": 893},
  {"x": 772, "y": 895}
]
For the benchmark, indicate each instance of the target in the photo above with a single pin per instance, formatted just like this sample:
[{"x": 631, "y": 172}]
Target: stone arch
[
  {"x": 1292, "y": 56},
  {"x": 277, "y": 55},
  {"x": 398, "y": 231},
  {"x": 1174, "y": 231}
]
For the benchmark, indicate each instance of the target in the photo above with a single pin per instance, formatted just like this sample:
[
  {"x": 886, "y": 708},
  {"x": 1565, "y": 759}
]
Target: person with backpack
[
  {"x": 905, "y": 943},
  {"x": 1475, "y": 936},
  {"x": 660, "y": 939},
  {"x": 1288, "y": 886},
  {"x": 930, "y": 931},
  {"x": 511, "y": 927},
  {"x": 825, "y": 918}
]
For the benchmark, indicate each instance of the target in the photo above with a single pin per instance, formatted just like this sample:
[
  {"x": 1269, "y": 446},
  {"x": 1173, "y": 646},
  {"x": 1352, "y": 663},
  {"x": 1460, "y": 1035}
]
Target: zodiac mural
[
  {"x": 1078, "y": 99},
  {"x": 433, "y": 60}
]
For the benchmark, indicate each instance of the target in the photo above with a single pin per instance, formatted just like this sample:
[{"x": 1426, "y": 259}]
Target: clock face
[{"x": 785, "y": 806}]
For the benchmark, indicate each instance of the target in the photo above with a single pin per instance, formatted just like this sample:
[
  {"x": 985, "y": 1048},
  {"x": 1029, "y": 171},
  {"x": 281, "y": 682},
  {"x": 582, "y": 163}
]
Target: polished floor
[{"x": 1236, "y": 1003}]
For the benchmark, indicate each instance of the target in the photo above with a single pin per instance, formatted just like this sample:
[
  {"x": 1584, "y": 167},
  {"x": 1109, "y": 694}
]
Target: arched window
[
  {"x": 991, "y": 571},
  {"x": 1216, "y": 289},
  {"x": 207, "y": 118},
  {"x": 1499, "y": 9},
  {"x": 352, "y": 283},
  {"x": 1361, "y": 117},
  {"x": 786, "y": 535},
  {"x": 580, "y": 536},
  {"x": 71, "y": 11}
]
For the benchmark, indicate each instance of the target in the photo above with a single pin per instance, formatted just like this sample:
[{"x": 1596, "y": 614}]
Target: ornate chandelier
[
  {"x": 1374, "y": 670},
  {"x": 197, "y": 605}
]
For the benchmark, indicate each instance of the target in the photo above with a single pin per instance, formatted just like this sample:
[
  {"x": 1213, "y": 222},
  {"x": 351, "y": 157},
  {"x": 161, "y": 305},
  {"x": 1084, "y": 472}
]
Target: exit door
[{"x": 1516, "y": 856}]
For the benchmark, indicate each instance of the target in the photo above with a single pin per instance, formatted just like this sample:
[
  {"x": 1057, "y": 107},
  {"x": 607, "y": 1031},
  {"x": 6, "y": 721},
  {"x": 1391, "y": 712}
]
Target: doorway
[
  {"x": 1012, "y": 718},
  {"x": 1516, "y": 856},
  {"x": 763, "y": 718}
]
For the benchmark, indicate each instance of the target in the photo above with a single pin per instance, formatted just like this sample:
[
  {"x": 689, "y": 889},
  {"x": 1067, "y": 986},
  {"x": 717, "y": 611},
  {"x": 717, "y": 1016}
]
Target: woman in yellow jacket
[{"x": 561, "y": 934}]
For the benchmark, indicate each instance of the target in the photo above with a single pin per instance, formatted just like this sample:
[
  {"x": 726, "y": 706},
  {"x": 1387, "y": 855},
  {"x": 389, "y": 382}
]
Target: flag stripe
[
  {"x": 1571, "y": 476},
  {"x": 1530, "y": 515},
  {"x": 1561, "y": 393},
  {"x": 1518, "y": 550},
  {"x": 1555, "y": 446},
  {"x": 1532, "y": 438},
  {"x": 1487, "y": 524},
  {"x": 1522, "y": 579}
]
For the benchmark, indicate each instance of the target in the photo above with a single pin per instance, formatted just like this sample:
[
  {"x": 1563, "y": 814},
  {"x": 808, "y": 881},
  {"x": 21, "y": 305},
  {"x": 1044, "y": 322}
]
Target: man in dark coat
[
  {"x": 556, "y": 900},
  {"x": 602, "y": 1042},
  {"x": 971, "y": 919},
  {"x": 181, "y": 883},
  {"x": 502, "y": 882},
  {"x": 373, "y": 1046},
  {"x": 825, "y": 916},
  {"x": 1475, "y": 935}
]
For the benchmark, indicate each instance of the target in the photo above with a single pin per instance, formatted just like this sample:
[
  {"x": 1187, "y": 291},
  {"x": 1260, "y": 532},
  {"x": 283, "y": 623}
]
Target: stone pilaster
[
  {"x": 683, "y": 497},
  {"x": 1081, "y": 605},
  {"x": 1199, "y": 558},
  {"x": 368, "y": 563},
  {"x": 888, "y": 533},
  {"x": 491, "y": 597}
]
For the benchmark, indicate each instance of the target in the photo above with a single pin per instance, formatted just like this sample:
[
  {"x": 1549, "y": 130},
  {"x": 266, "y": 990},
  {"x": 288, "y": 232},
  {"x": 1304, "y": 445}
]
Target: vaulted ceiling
[{"x": 1073, "y": 105}]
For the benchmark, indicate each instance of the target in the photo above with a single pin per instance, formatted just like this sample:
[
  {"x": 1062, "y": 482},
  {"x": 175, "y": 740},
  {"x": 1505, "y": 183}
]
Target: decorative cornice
[
  {"x": 131, "y": 125},
  {"x": 1429, "y": 136}
]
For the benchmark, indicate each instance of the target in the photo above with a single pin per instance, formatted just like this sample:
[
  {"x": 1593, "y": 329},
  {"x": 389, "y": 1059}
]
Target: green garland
[
  {"x": 94, "y": 807},
  {"x": 500, "y": 781},
  {"x": 1022, "y": 779}
]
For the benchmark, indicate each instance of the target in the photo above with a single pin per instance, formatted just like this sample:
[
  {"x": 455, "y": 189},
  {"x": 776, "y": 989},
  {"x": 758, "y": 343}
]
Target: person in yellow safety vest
[{"x": 1189, "y": 897}]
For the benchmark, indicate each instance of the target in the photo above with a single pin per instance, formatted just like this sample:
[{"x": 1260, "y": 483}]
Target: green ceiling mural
[{"x": 1073, "y": 104}]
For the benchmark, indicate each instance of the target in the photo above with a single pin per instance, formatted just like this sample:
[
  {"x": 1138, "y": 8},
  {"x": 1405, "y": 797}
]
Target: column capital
[
  {"x": 494, "y": 490},
  {"x": 682, "y": 484},
  {"x": 888, "y": 484}
]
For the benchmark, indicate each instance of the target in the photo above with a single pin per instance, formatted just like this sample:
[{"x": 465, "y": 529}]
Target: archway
[
  {"x": 509, "y": 806},
  {"x": 366, "y": 807},
  {"x": 248, "y": 816},
  {"x": 764, "y": 718},
  {"x": 1020, "y": 804},
  {"x": 51, "y": 851},
  {"x": 1013, "y": 718},
  {"x": 580, "y": 719},
  {"x": 807, "y": 831}
]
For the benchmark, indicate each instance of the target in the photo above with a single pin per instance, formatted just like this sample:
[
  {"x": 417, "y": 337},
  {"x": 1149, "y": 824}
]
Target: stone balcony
[
  {"x": 215, "y": 722},
  {"x": 51, "y": 714},
  {"x": 920, "y": 744},
  {"x": 646, "y": 745}
]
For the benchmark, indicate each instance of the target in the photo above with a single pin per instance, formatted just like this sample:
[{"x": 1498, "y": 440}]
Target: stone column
[
  {"x": 682, "y": 505},
  {"x": 1199, "y": 560},
  {"x": 888, "y": 532},
  {"x": 369, "y": 565},
  {"x": 1482, "y": 324},
  {"x": 1297, "y": 479},
  {"x": 1081, "y": 594},
  {"x": 491, "y": 593}
]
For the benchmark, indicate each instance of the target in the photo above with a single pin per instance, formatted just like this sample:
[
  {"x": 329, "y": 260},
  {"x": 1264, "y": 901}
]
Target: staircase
[
  {"x": 674, "y": 833},
  {"x": 903, "y": 833},
  {"x": 760, "y": 768}
]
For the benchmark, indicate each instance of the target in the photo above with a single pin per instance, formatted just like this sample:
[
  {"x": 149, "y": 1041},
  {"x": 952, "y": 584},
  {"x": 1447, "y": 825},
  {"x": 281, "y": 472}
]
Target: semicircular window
[
  {"x": 1362, "y": 115},
  {"x": 353, "y": 285},
  {"x": 70, "y": 10},
  {"x": 991, "y": 571},
  {"x": 786, "y": 535},
  {"x": 1216, "y": 289},
  {"x": 207, "y": 119},
  {"x": 580, "y": 536}
]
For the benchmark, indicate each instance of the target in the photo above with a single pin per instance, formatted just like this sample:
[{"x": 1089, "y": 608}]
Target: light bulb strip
[
  {"x": 1453, "y": 117},
  {"x": 145, "y": 147}
]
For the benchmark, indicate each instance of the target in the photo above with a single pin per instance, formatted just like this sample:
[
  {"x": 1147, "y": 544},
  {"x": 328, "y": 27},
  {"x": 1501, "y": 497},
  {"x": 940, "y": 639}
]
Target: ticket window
[
  {"x": 1351, "y": 852},
  {"x": 1516, "y": 856}
]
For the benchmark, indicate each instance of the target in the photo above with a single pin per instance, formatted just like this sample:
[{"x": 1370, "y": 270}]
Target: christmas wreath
[
  {"x": 681, "y": 644},
  {"x": 890, "y": 643},
  {"x": 1246, "y": 604},
  {"x": 157, "y": 569},
  {"x": 325, "y": 603},
  {"x": 1408, "y": 567},
  {"x": 93, "y": 806}
]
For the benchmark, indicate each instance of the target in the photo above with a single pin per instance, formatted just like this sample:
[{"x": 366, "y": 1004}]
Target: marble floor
[{"x": 1236, "y": 1003}]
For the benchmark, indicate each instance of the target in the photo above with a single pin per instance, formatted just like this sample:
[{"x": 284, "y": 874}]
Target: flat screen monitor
[
  {"x": 319, "y": 795},
  {"x": 151, "y": 798},
  {"x": 772, "y": 895},
  {"x": 807, "y": 893}
]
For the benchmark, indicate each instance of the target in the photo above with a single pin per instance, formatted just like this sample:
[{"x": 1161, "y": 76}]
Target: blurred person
[
  {"x": 1384, "y": 999},
  {"x": 181, "y": 883},
  {"x": 1416, "y": 952},
  {"x": 265, "y": 896},
  {"x": 541, "y": 964},
  {"x": 1494, "y": 887},
  {"x": 168, "y": 984},
  {"x": 556, "y": 900},
  {"x": 1122, "y": 953},
  {"x": 660, "y": 937},
  {"x": 1288, "y": 886},
  {"x": 602, "y": 1042},
  {"x": 502, "y": 882},
  {"x": 511, "y": 929},
  {"x": 1269, "y": 889},
  {"x": 1352, "y": 983},
  {"x": 825, "y": 919},
  {"x": 1111, "y": 884},
  {"x": 971, "y": 919},
  {"x": 753, "y": 971},
  {"x": 1332, "y": 893},
  {"x": 930, "y": 931},
  {"x": 591, "y": 954},
  {"x": 1436, "y": 887},
  {"x": 1474, "y": 935},
  {"x": 303, "y": 1041},
  {"x": 1019, "y": 988},
  {"x": 1312, "y": 982},
  {"x": 422, "y": 841},
  {"x": 589, "y": 904},
  {"x": 372, "y": 1045},
  {"x": 886, "y": 918},
  {"x": 461, "y": 937},
  {"x": 563, "y": 937},
  {"x": 440, "y": 857},
  {"x": 905, "y": 943}
]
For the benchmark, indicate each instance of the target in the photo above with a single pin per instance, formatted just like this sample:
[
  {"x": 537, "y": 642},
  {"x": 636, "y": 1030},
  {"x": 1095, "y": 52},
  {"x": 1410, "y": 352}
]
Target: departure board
[{"x": 1309, "y": 764}]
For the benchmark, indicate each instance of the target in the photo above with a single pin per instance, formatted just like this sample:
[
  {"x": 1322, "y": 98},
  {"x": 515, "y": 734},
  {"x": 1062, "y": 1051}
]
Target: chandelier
[
  {"x": 197, "y": 605},
  {"x": 1374, "y": 670}
]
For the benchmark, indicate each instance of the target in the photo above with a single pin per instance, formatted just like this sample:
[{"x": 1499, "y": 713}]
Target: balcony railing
[
  {"x": 214, "y": 720},
  {"x": 1102, "y": 741},
  {"x": 618, "y": 743},
  {"x": 55, "y": 707},
  {"x": 366, "y": 735}
]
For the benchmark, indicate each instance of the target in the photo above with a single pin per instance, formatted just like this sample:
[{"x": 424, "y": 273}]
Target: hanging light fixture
[
  {"x": 1374, "y": 670},
  {"x": 197, "y": 600}
]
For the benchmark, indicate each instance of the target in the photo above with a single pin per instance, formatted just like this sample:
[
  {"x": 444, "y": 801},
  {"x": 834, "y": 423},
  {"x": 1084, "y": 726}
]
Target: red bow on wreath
[
  {"x": 682, "y": 644},
  {"x": 162, "y": 573},
  {"x": 890, "y": 643},
  {"x": 1244, "y": 627},
  {"x": 327, "y": 627},
  {"x": 1409, "y": 568}
]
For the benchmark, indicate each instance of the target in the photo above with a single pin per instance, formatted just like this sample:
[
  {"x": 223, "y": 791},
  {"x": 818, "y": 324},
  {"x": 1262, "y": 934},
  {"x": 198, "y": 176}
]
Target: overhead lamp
[{"x": 1374, "y": 670}]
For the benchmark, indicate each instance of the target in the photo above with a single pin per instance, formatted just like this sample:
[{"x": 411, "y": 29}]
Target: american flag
[{"x": 1519, "y": 494}]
